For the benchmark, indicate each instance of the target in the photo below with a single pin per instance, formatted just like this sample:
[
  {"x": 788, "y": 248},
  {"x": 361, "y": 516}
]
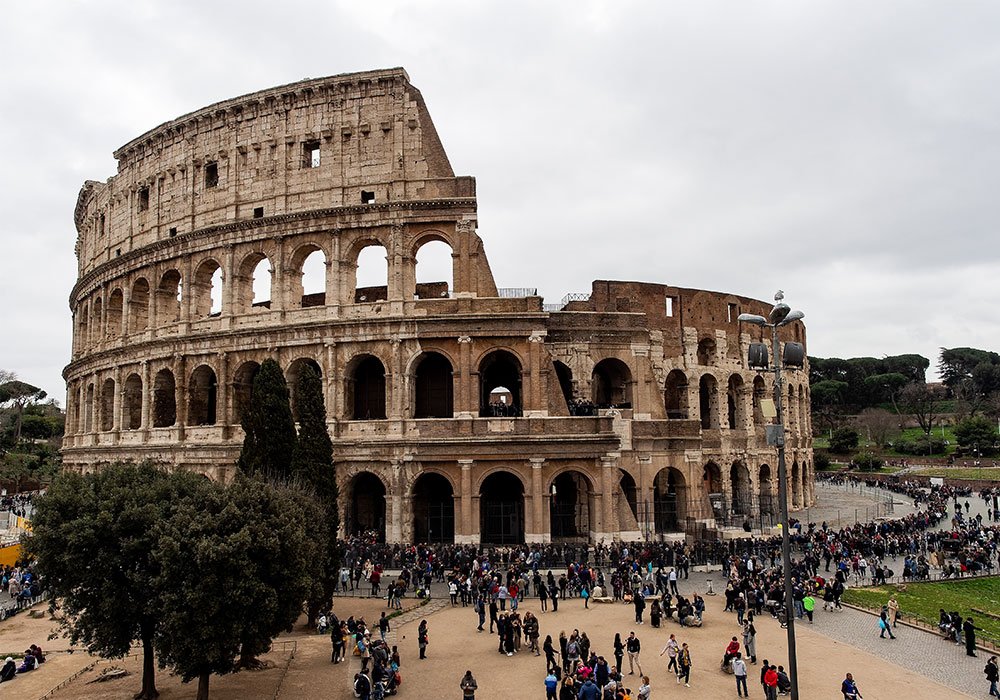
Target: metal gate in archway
[
  {"x": 437, "y": 524},
  {"x": 502, "y": 521}
]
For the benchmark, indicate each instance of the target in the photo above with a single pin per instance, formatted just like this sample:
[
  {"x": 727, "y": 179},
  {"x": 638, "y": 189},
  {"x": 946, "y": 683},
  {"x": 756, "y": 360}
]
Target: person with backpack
[{"x": 362, "y": 685}]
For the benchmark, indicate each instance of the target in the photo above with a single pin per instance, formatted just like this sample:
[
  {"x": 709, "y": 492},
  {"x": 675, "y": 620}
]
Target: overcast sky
[{"x": 846, "y": 152}]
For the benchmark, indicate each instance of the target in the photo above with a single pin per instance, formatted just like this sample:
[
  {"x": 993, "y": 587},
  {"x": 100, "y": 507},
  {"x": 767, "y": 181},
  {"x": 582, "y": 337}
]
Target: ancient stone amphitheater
[{"x": 459, "y": 411}]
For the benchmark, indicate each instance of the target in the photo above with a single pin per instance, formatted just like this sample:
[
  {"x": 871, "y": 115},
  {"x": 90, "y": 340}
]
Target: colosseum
[{"x": 459, "y": 411}]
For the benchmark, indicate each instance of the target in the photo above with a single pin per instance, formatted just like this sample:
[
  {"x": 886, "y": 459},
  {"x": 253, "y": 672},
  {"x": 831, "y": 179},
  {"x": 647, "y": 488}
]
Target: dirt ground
[{"x": 456, "y": 646}]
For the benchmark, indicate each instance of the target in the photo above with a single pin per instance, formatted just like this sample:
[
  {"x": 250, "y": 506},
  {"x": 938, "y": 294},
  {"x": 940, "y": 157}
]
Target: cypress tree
[
  {"x": 268, "y": 426},
  {"x": 312, "y": 466}
]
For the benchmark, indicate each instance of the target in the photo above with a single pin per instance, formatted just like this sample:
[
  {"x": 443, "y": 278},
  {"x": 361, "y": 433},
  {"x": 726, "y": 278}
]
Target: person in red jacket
[
  {"x": 771, "y": 683},
  {"x": 731, "y": 651}
]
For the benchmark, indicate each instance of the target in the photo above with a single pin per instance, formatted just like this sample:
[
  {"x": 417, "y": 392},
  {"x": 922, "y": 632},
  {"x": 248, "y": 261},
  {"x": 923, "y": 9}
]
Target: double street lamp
[{"x": 781, "y": 315}]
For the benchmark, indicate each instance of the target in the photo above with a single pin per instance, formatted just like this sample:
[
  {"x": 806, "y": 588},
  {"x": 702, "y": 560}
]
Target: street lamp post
[{"x": 781, "y": 315}]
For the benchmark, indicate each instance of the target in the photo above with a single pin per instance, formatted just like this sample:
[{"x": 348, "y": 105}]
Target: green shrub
[
  {"x": 868, "y": 462},
  {"x": 843, "y": 441}
]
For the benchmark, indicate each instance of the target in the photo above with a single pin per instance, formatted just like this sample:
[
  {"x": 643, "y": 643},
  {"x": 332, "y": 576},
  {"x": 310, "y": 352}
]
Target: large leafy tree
[
  {"x": 920, "y": 401},
  {"x": 269, "y": 431},
  {"x": 312, "y": 466},
  {"x": 95, "y": 541},
  {"x": 233, "y": 574},
  {"x": 977, "y": 433},
  {"x": 18, "y": 395}
]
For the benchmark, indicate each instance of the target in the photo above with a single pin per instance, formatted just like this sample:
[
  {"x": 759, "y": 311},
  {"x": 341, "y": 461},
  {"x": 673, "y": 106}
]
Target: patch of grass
[
  {"x": 923, "y": 600},
  {"x": 986, "y": 473},
  {"x": 821, "y": 442}
]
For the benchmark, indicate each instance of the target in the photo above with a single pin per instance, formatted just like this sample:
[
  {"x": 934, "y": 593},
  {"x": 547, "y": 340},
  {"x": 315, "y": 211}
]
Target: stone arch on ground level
[
  {"x": 571, "y": 506},
  {"x": 767, "y": 501},
  {"x": 740, "y": 493},
  {"x": 670, "y": 495},
  {"x": 433, "y": 499},
  {"x": 713, "y": 499},
  {"x": 796, "y": 482},
  {"x": 501, "y": 509},
  {"x": 366, "y": 506},
  {"x": 365, "y": 388}
]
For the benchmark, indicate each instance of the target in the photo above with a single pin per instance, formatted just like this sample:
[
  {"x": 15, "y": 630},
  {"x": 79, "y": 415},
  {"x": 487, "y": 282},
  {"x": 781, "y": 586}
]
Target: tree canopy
[{"x": 863, "y": 382}]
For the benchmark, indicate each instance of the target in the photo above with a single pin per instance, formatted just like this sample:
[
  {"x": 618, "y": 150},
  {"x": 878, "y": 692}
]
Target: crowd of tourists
[{"x": 21, "y": 586}]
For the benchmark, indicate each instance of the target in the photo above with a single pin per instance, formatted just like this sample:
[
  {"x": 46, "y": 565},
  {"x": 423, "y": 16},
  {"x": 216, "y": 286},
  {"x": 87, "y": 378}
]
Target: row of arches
[
  {"x": 168, "y": 298},
  {"x": 572, "y": 503}
]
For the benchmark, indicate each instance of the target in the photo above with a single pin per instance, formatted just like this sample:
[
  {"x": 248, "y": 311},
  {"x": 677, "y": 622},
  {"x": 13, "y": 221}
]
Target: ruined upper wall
[{"x": 346, "y": 140}]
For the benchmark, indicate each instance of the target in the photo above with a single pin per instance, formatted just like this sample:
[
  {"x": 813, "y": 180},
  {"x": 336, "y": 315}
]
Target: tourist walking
[
  {"x": 684, "y": 661},
  {"x": 632, "y": 646},
  {"x": 992, "y": 675},
  {"x": 672, "y": 648},
  {"x": 740, "y": 671},
  {"x": 883, "y": 623},
  {"x": 468, "y": 685},
  {"x": 850, "y": 689},
  {"x": 422, "y": 638}
]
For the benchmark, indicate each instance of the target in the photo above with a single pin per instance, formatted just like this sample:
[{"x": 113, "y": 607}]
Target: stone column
[
  {"x": 464, "y": 533},
  {"x": 395, "y": 385},
  {"x": 609, "y": 526},
  {"x": 535, "y": 403},
  {"x": 147, "y": 400},
  {"x": 464, "y": 391},
  {"x": 330, "y": 382},
  {"x": 116, "y": 409},
  {"x": 333, "y": 277},
  {"x": 180, "y": 395},
  {"x": 222, "y": 384},
  {"x": 540, "y": 531},
  {"x": 394, "y": 528}
]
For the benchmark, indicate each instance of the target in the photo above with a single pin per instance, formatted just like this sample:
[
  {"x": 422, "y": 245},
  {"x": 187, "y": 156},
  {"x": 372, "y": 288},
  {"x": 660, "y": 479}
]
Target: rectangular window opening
[
  {"x": 211, "y": 174},
  {"x": 670, "y": 306},
  {"x": 258, "y": 212},
  {"x": 367, "y": 197},
  {"x": 102, "y": 224},
  {"x": 118, "y": 253},
  {"x": 732, "y": 312},
  {"x": 144, "y": 199},
  {"x": 310, "y": 154},
  {"x": 173, "y": 231}
]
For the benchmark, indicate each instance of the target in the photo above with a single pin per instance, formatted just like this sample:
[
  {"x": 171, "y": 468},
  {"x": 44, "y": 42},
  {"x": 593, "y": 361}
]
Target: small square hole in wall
[
  {"x": 118, "y": 253},
  {"x": 173, "y": 231},
  {"x": 258, "y": 212},
  {"x": 144, "y": 199},
  {"x": 310, "y": 154},
  {"x": 211, "y": 174},
  {"x": 367, "y": 197}
]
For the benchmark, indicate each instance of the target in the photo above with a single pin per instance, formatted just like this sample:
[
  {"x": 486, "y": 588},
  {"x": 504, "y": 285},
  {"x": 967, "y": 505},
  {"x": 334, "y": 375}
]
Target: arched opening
[
  {"x": 168, "y": 298},
  {"x": 367, "y": 506},
  {"x": 803, "y": 413},
  {"x": 164, "y": 399},
  {"x": 138, "y": 306},
  {"x": 796, "y": 486},
  {"x": 500, "y": 370},
  {"x": 708, "y": 400},
  {"x": 791, "y": 410},
  {"x": 734, "y": 402},
  {"x": 132, "y": 403},
  {"x": 243, "y": 388},
  {"x": 768, "y": 506},
  {"x": 739, "y": 484},
  {"x": 564, "y": 375},
  {"x": 108, "y": 405},
  {"x": 83, "y": 325},
  {"x": 675, "y": 395},
  {"x": 569, "y": 506},
  {"x": 97, "y": 322},
  {"x": 669, "y": 500},
  {"x": 432, "y": 387},
  {"x": 628, "y": 492},
  {"x": 433, "y": 270},
  {"x": 611, "y": 384},
  {"x": 706, "y": 351},
  {"x": 715, "y": 499},
  {"x": 262, "y": 283},
  {"x": 202, "y": 397},
  {"x": 308, "y": 278},
  {"x": 88, "y": 409},
  {"x": 206, "y": 290},
  {"x": 759, "y": 392},
  {"x": 371, "y": 280},
  {"x": 116, "y": 307},
  {"x": 501, "y": 509},
  {"x": 433, "y": 509},
  {"x": 292, "y": 375},
  {"x": 365, "y": 390}
]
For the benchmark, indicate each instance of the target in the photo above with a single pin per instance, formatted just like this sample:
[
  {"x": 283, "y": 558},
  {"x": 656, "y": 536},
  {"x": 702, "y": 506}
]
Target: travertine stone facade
[{"x": 458, "y": 411}]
